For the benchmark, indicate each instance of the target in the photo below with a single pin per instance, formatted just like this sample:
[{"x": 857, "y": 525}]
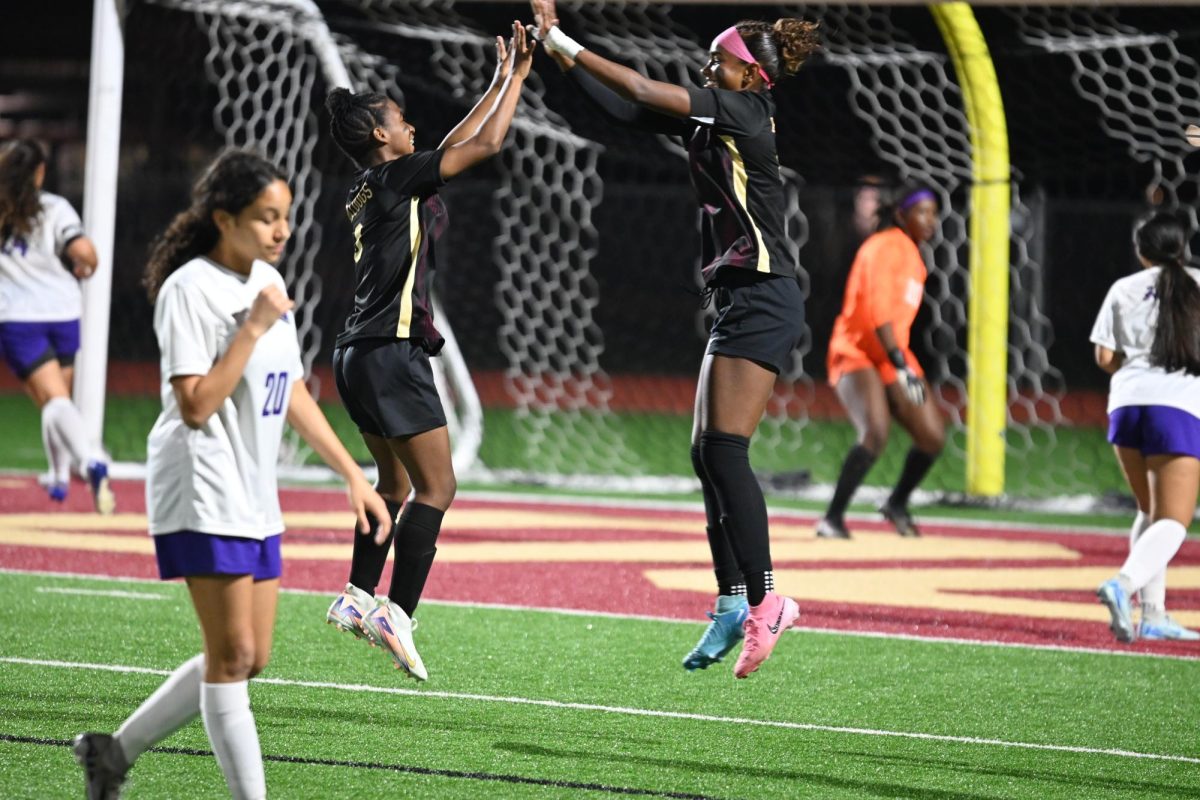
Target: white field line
[
  {"x": 639, "y": 712},
  {"x": 100, "y": 593},
  {"x": 576, "y": 612}
]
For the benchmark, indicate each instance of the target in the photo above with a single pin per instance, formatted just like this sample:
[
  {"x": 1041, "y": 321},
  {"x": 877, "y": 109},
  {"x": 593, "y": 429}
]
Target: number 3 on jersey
[
  {"x": 357, "y": 242},
  {"x": 276, "y": 390}
]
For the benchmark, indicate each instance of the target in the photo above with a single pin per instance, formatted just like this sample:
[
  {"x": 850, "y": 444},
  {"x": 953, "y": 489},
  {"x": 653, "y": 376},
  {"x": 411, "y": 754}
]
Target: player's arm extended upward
[
  {"x": 474, "y": 118},
  {"x": 666, "y": 98},
  {"x": 487, "y": 139}
]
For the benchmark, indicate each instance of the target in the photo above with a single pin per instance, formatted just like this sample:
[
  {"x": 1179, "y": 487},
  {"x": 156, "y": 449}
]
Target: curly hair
[
  {"x": 353, "y": 120},
  {"x": 780, "y": 48},
  {"x": 20, "y": 203},
  {"x": 230, "y": 183},
  {"x": 1162, "y": 240}
]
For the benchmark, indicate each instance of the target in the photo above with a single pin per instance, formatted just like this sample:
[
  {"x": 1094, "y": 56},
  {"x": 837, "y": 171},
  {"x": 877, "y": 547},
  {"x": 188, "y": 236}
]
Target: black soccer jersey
[
  {"x": 735, "y": 172},
  {"x": 730, "y": 137},
  {"x": 396, "y": 215}
]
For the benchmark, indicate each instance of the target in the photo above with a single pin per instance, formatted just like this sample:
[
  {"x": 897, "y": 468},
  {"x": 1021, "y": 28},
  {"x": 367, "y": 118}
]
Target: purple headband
[
  {"x": 912, "y": 199},
  {"x": 732, "y": 41}
]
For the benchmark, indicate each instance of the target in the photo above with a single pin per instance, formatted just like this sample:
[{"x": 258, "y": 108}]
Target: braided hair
[{"x": 353, "y": 120}]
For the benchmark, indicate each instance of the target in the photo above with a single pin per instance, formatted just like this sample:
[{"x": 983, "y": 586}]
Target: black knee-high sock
[
  {"x": 416, "y": 537},
  {"x": 366, "y": 565},
  {"x": 726, "y": 460},
  {"x": 725, "y": 567},
  {"x": 854, "y": 469},
  {"x": 916, "y": 467}
]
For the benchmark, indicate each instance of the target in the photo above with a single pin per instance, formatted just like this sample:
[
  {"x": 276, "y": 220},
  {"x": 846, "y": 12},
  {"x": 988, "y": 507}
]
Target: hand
[
  {"x": 83, "y": 271},
  {"x": 365, "y": 500},
  {"x": 271, "y": 304},
  {"x": 913, "y": 386},
  {"x": 545, "y": 16},
  {"x": 503, "y": 62},
  {"x": 522, "y": 50}
]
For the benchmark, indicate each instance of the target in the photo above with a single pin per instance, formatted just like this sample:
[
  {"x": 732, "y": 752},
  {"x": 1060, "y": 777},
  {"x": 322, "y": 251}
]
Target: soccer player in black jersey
[
  {"x": 729, "y": 129},
  {"x": 381, "y": 360}
]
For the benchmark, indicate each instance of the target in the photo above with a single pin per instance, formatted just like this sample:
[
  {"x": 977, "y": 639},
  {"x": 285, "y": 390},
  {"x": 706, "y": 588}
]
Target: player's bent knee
[{"x": 874, "y": 440}]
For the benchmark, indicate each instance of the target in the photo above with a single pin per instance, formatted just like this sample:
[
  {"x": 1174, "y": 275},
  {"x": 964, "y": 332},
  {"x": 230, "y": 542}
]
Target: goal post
[
  {"x": 100, "y": 210},
  {"x": 987, "y": 337}
]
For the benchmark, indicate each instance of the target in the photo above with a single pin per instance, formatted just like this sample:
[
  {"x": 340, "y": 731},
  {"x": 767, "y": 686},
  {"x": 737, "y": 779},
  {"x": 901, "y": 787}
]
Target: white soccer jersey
[
  {"x": 35, "y": 285},
  {"x": 221, "y": 477},
  {"x": 1126, "y": 324}
]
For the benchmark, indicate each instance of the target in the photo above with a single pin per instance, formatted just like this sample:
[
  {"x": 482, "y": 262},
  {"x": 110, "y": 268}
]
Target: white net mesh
[{"x": 559, "y": 271}]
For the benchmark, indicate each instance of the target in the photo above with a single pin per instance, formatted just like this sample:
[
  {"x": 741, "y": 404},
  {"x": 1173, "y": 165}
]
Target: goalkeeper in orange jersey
[{"x": 870, "y": 364}]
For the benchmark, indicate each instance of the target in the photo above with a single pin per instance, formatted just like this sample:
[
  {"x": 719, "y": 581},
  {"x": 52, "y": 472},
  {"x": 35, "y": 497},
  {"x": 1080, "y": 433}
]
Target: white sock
[
  {"x": 173, "y": 705},
  {"x": 229, "y": 722},
  {"x": 1154, "y": 594},
  {"x": 65, "y": 422},
  {"x": 58, "y": 455},
  {"x": 1154, "y": 550}
]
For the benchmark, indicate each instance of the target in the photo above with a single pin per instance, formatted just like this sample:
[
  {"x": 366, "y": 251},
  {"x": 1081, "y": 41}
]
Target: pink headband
[{"x": 732, "y": 41}]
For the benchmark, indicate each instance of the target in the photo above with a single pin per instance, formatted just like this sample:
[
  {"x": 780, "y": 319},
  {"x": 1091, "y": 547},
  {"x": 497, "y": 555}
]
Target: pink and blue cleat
[
  {"x": 390, "y": 628},
  {"x": 348, "y": 610},
  {"x": 765, "y": 623}
]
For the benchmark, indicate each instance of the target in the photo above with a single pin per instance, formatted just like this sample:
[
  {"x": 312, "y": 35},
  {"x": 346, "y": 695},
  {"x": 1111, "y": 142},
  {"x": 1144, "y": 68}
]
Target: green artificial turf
[
  {"x": 1070, "y": 462},
  {"x": 474, "y": 741}
]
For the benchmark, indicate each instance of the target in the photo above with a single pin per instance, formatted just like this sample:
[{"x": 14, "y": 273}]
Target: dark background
[{"x": 1088, "y": 186}]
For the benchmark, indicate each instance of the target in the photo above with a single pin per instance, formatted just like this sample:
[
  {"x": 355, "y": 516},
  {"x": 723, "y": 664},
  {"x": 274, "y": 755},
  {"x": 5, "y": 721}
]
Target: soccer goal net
[{"x": 570, "y": 265}]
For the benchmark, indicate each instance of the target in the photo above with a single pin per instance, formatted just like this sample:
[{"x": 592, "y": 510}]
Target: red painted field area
[{"x": 1005, "y": 584}]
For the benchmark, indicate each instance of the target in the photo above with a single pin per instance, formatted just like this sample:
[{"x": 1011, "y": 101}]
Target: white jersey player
[
  {"x": 43, "y": 256},
  {"x": 231, "y": 375},
  {"x": 1146, "y": 337}
]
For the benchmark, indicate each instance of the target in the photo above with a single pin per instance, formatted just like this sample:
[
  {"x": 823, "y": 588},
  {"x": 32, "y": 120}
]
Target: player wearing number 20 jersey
[{"x": 228, "y": 485}]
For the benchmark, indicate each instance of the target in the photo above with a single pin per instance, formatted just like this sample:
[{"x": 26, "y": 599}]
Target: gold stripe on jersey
[
  {"x": 403, "y": 325},
  {"x": 739, "y": 188}
]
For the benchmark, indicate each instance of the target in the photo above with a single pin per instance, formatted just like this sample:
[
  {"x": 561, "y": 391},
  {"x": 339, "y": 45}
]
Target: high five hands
[
  {"x": 545, "y": 16},
  {"x": 518, "y": 52}
]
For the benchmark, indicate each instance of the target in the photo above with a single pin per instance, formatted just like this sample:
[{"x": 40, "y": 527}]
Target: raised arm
[
  {"x": 665, "y": 98},
  {"x": 487, "y": 100},
  {"x": 615, "y": 107},
  {"x": 487, "y": 139}
]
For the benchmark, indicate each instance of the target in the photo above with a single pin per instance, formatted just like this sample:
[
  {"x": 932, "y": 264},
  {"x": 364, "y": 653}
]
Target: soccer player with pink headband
[{"x": 728, "y": 127}]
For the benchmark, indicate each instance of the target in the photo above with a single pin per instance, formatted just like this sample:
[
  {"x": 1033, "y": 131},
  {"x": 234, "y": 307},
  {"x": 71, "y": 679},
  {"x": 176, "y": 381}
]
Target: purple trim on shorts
[
  {"x": 28, "y": 345},
  {"x": 187, "y": 553},
  {"x": 1155, "y": 430}
]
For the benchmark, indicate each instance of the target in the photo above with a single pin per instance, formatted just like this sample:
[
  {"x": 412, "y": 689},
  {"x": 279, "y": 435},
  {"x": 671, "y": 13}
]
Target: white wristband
[{"x": 558, "y": 41}]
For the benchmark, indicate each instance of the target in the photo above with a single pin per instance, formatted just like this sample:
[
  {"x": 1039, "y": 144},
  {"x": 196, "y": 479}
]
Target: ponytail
[
  {"x": 1161, "y": 240},
  {"x": 780, "y": 49}
]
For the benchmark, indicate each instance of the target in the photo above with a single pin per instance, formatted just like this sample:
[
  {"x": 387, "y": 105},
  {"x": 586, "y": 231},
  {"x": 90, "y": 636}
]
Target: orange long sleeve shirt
[{"x": 886, "y": 284}]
